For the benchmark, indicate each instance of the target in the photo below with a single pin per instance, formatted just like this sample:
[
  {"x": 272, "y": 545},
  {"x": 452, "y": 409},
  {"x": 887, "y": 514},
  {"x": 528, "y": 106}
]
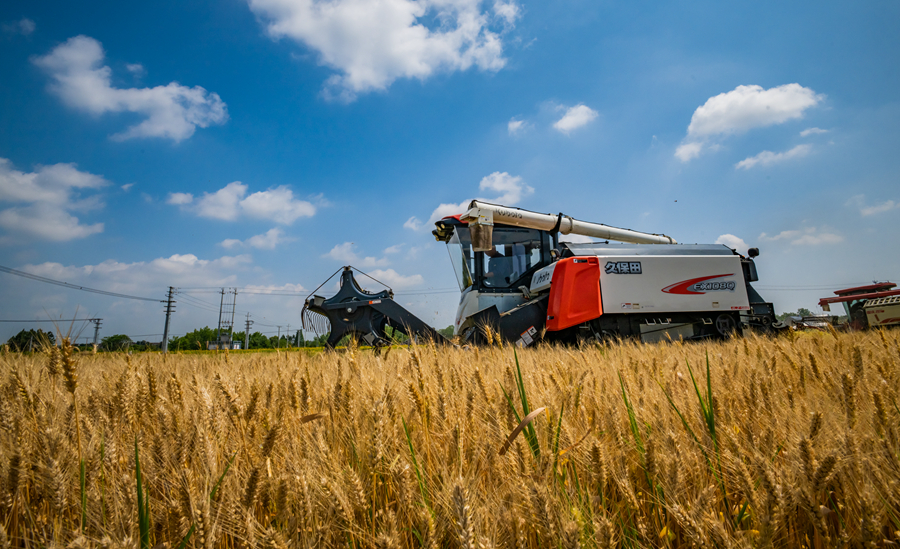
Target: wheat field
[{"x": 787, "y": 442}]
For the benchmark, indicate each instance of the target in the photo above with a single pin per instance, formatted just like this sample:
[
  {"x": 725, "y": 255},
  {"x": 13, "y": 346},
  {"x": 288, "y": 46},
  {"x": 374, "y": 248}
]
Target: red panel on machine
[{"x": 574, "y": 293}]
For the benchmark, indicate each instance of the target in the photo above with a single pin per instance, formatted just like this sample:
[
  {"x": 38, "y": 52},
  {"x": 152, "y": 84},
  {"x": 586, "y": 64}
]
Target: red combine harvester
[{"x": 868, "y": 306}]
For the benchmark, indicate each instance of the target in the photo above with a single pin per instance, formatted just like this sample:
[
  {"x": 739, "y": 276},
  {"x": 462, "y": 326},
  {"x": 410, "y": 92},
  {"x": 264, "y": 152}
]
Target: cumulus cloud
[
  {"x": 44, "y": 200},
  {"x": 346, "y": 253},
  {"x": 82, "y": 81},
  {"x": 23, "y": 26},
  {"x": 859, "y": 201},
  {"x": 413, "y": 224},
  {"x": 688, "y": 151},
  {"x": 735, "y": 243},
  {"x": 515, "y": 127},
  {"x": 810, "y": 236},
  {"x": 232, "y": 202},
  {"x": 743, "y": 109},
  {"x": 812, "y": 131},
  {"x": 510, "y": 190},
  {"x": 135, "y": 278},
  {"x": 767, "y": 158},
  {"x": 180, "y": 199},
  {"x": 395, "y": 280},
  {"x": 574, "y": 118},
  {"x": 507, "y": 11},
  {"x": 266, "y": 241},
  {"x": 372, "y": 43}
]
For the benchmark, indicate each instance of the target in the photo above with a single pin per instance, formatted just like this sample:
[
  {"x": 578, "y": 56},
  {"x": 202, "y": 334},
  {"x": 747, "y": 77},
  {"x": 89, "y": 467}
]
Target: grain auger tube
[{"x": 362, "y": 315}]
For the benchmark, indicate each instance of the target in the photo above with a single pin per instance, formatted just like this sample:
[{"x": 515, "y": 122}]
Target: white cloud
[
  {"x": 510, "y": 188},
  {"x": 266, "y": 241},
  {"x": 688, "y": 151},
  {"x": 136, "y": 278},
  {"x": 277, "y": 204},
  {"x": 346, "y": 253},
  {"x": 413, "y": 224},
  {"x": 859, "y": 201},
  {"x": 810, "y": 236},
  {"x": 879, "y": 208},
  {"x": 767, "y": 158},
  {"x": 127, "y": 187},
  {"x": 735, "y": 243},
  {"x": 180, "y": 199},
  {"x": 395, "y": 249},
  {"x": 45, "y": 200},
  {"x": 23, "y": 26},
  {"x": 269, "y": 289},
  {"x": 83, "y": 82},
  {"x": 574, "y": 118},
  {"x": 742, "y": 109},
  {"x": 371, "y": 43},
  {"x": 136, "y": 69},
  {"x": 812, "y": 131},
  {"x": 507, "y": 11},
  {"x": 231, "y": 202},
  {"x": 396, "y": 280},
  {"x": 514, "y": 127}
]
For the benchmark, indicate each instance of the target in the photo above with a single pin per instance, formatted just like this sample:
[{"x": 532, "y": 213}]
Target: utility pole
[
  {"x": 288, "y": 335},
  {"x": 247, "y": 332},
  {"x": 170, "y": 308},
  {"x": 96, "y": 322},
  {"x": 279, "y": 338},
  {"x": 219, "y": 327},
  {"x": 231, "y": 324}
]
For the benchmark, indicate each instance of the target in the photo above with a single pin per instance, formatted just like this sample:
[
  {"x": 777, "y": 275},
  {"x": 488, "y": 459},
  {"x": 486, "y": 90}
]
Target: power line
[
  {"x": 61, "y": 320},
  {"x": 71, "y": 286}
]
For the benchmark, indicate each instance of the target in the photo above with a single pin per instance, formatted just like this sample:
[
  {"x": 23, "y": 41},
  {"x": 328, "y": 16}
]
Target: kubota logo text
[{"x": 701, "y": 285}]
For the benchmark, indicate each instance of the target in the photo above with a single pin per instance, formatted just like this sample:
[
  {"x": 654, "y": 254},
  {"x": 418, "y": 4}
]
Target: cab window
[{"x": 515, "y": 252}]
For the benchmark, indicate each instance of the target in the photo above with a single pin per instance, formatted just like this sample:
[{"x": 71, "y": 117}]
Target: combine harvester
[
  {"x": 518, "y": 278},
  {"x": 875, "y": 305}
]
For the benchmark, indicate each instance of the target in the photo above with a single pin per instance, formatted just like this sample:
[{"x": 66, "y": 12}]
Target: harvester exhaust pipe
[{"x": 481, "y": 217}]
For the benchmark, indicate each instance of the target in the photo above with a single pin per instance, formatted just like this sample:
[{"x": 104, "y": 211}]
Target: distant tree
[
  {"x": 259, "y": 341},
  {"x": 800, "y": 312},
  {"x": 447, "y": 332},
  {"x": 193, "y": 341},
  {"x": 119, "y": 342},
  {"x": 30, "y": 340}
]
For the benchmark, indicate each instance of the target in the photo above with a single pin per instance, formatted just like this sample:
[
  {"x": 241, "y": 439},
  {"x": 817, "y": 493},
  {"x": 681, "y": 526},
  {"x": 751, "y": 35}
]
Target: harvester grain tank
[{"x": 518, "y": 278}]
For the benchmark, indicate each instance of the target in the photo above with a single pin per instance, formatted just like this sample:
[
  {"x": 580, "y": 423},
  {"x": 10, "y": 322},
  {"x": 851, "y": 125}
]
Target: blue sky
[{"x": 264, "y": 144}]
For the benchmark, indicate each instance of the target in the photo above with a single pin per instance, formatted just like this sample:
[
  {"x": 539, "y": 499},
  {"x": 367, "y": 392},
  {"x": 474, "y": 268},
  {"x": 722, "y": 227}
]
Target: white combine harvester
[{"x": 517, "y": 277}]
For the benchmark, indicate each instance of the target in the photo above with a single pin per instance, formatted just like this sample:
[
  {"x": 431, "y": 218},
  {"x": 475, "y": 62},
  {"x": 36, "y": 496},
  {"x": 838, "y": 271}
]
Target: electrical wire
[
  {"x": 73, "y": 286},
  {"x": 54, "y": 321}
]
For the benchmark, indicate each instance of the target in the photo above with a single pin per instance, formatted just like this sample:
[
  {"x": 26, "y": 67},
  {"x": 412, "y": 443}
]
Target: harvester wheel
[{"x": 725, "y": 325}]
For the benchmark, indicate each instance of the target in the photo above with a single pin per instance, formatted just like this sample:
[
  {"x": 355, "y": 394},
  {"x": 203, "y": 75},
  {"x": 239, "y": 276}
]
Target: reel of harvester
[{"x": 362, "y": 315}]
